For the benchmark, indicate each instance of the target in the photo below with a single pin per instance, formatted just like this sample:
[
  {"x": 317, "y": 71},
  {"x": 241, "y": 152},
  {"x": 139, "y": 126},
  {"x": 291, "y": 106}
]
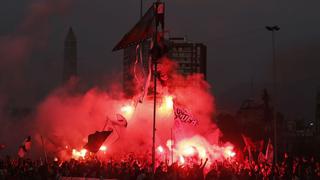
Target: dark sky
[{"x": 239, "y": 47}]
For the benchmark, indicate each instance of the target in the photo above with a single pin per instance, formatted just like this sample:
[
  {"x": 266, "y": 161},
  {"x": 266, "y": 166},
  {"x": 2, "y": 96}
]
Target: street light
[{"x": 274, "y": 29}]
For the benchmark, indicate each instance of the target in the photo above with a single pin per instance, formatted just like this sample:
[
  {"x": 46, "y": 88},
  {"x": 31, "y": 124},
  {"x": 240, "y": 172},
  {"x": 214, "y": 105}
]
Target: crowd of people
[{"x": 288, "y": 168}]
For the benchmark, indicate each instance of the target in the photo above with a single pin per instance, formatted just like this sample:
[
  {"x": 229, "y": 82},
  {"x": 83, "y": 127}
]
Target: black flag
[{"x": 96, "y": 140}]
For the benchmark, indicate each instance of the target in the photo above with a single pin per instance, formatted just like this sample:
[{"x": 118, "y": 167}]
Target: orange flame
[
  {"x": 103, "y": 148},
  {"x": 166, "y": 105},
  {"x": 160, "y": 149},
  {"x": 127, "y": 111},
  {"x": 79, "y": 154}
]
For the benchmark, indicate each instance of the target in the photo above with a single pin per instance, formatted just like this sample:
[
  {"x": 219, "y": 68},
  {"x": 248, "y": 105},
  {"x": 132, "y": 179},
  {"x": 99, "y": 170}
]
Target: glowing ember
[
  {"x": 127, "y": 111},
  {"x": 55, "y": 159},
  {"x": 103, "y": 148},
  {"x": 79, "y": 154},
  {"x": 160, "y": 149}
]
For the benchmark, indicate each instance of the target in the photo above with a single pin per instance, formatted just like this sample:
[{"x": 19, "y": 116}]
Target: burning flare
[
  {"x": 127, "y": 111},
  {"x": 79, "y": 154}
]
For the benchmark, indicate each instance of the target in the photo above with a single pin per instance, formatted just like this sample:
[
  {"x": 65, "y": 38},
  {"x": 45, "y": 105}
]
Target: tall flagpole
[
  {"x": 154, "y": 60},
  {"x": 156, "y": 54},
  {"x": 273, "y": 29},
  {"x": 171, "y": 146},
  {"x": 154, "y": 117}
]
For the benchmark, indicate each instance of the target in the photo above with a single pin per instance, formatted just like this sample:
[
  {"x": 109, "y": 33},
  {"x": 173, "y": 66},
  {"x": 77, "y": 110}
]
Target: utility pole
[
  {"x": 273, "y": 30},
  {"x": 141, "y": 8}
]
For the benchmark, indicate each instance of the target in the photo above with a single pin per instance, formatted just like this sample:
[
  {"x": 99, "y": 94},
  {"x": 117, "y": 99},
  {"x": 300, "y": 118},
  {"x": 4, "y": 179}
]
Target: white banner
[{"x": 184, "y": 116}]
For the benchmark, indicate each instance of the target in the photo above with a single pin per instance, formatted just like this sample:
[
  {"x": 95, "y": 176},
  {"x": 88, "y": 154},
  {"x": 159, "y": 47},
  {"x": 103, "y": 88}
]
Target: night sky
[{"x": 239, "y": 46}]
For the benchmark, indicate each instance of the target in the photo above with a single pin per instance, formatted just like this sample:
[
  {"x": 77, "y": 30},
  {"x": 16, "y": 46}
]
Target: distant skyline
[{"x": 238, "y": 45}]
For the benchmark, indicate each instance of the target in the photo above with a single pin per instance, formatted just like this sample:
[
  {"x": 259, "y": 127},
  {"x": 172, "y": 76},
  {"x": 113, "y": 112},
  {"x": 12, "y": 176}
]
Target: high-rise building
[
  {"x": 190, "y": 57},
  {"x": 70, "y": 56}
]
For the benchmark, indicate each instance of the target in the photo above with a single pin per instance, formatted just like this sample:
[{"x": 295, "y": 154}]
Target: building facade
[{"x": 190, "y": 57}]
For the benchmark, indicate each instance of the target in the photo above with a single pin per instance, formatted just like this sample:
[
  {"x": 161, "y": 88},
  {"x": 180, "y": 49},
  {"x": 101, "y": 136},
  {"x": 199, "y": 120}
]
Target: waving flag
[
  {"x": 25, "y": 147},
  {"x": 182, "y": 115},
  {"x": 269, "y": 153},
  {"x": 121, "y": 121},
  {"x": 96, "y": 140},
  {"x": 143, "y": 30}
]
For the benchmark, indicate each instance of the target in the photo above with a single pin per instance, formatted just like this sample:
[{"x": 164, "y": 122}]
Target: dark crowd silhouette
[{"x": 291, "y": 168}]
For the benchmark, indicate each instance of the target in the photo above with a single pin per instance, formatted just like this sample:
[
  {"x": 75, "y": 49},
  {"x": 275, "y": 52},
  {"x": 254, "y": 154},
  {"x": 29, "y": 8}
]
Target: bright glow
[
  {"x": 160, "y": 149},
  {"x": 170, "y": 144},
  {"x": 79, "y": 154},
  {"x": 197, "y": 147},
  {"x": 181, "y": 160},
  {"x": 189, "y": 151},
  {"x": 55, "y": 159},
  {"x": 103, "y": 148},
  {"x": 229, "y": 152},
  {"x": 127, "y": 111},
  {"x": 167, "y": 104}
]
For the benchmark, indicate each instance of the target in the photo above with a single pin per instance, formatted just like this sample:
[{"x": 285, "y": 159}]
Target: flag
[
  {"x": 120, "y": 120},
  {"x": 96, "y": 140},
  {"x": 143, "y": 30},
  {"x": 269, "y": 153},
  {"x": 182, "y": 115},
  {"x": 254, "y": 146},
  {"x": 25, "y": 147},
  {"x": 248, "y": 142},
  {"x": 261, "y": 157},
  {"x": 160, "y": 14}
]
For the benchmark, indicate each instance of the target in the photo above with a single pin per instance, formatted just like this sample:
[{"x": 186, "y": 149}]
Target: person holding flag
[{"x": 25, "y": 147}]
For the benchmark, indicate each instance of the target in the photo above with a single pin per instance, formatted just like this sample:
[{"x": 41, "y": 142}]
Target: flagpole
[
  {"x": 155, "y": 56},
  {"x": 154, "y": 116},
  {"x": 44, "y": 150},
  {"x": 171, "y": 146}
]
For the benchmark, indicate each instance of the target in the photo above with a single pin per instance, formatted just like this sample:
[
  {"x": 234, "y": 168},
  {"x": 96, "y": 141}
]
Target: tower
[{"x": 70, "y": 56}]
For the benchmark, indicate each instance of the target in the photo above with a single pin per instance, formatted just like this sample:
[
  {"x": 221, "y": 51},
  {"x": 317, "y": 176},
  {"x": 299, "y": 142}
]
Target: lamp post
[
  {"x": 273, "y": 30},
  {"x": 141, "y": 8}
]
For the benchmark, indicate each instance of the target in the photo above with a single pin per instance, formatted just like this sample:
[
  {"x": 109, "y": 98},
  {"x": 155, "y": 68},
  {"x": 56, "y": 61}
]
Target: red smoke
[{"x": 66, "y": 120}]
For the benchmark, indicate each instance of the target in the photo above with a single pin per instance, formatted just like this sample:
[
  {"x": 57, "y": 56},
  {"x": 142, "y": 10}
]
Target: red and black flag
[
  {"x": 145, "y": 28},
  {"x": 96, "y": 140},
  {"x": 25, "y": 147}
]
